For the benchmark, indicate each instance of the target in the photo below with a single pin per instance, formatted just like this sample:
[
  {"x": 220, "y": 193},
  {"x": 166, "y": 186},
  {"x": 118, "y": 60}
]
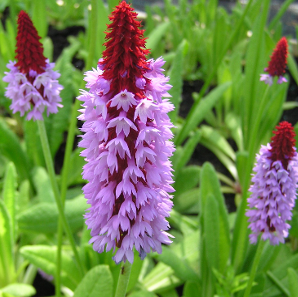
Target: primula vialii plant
[
  {"x": 273, "y": 192},
  {"x": 33, "y": 85},
  {"x": 277, "y": 64},
  {"x": 126, "y": 141}
]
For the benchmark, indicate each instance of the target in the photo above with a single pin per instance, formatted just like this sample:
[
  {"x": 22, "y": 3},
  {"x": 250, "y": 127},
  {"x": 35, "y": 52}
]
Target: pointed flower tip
[
  {"x": 273, "y": 191},
  {"x": 124, "y": 59},
  {"x": 29, "y": 50},
  {"x": 277, "y": 63},
  {"x": 283, "y": 143}
]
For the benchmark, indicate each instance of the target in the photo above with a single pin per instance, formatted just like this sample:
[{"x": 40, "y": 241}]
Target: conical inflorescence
[
  {"x": 32, "y": 83},
  {"x": 277, "y": 64},
  {"x": 273, "y": 191},
  {"x": 127, "y": 147}
]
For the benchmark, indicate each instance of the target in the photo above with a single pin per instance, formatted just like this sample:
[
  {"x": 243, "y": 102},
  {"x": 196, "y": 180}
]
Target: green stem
[
  {"x": 52, "y": 176},
  {"x": 123, "y": 279},
  {"x": 58, "y": 261},
  {"x": 254, "y": 267}
]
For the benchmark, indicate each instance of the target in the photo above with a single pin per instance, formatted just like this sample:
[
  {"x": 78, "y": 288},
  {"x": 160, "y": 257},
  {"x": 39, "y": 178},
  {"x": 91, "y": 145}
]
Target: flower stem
[
  {"x": 51, "y": 172},
  {"x": 58, "y": 266},
  {"x": 72, "y": 129},
  {"x": 123, "y": 279},
  {"x": 254, "y": 267}
]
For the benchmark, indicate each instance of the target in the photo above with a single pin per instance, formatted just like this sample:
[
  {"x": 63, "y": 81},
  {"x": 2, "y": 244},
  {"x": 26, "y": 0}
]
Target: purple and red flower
[
  {"x": 126, "y": 140},
  {"x": 32, "y": 82},
  {"x": 277, "y": 64},
  {"x": 273, "y": 192}
]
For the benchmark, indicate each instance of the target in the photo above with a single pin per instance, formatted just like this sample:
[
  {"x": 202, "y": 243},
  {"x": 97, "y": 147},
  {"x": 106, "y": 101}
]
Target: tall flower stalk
[
  {"x": 126, "y": 140},
  {"x": 33, "y": 88}
]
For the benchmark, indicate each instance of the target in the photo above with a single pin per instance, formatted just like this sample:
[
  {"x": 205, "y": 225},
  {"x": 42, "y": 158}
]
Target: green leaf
[
  {"x": 19, "y": 290},
  {"x": 186, "y": 225},
  {"x": 209, "y": 185},
  {"x": 112, "y": 4},
  {"x": 97, "y": 282},
  {"x": 187, "y": 200},
  {"x": 278, "y": 275},
  {"x": 142, "y": 294},
  {"x": 289, "y": 105},
  {"x": 43, "y": 185},
  {"x": 176, "y": 80},
  {"x": 211, "y": 231},
  {"x": 44, "y": 257},
  {"x": 43, "y": 217},
  {"x": 76, "y": 165},
  {"x": 24, "y": 196},
  {"x": 240, "y": 236},
  {"x": 183, "y": 154},
  {"x": 39, "y": 17},
  {"x": 220, "y": 147},
  {"x": 293, "y": 67},
  {"x": 199, "y": 110},
  {"x": 10, "y": 148},
  {"x": 9, "y": 195},
  {"x": 187, "y": 179},
  {"x": 33, "y": 144},
  {"x": 162, "y": 277},
  {"x": 156, "y": 35},
  {"x": 293, "y": 282},
  {"x": 191, "y": 289},
  {"x": 48, "y": 48},
  {"x": 7, "y": 245},
  {"x": 179, "y": 265},
  {"x": 233, "y": 123}
]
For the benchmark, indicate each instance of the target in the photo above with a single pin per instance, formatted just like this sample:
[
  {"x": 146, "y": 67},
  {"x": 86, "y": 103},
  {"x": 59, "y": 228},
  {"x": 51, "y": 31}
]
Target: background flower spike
[
  {"x": 32, "y": 83},
  {"x": 126, "y": 140},
  {"x": 273, "y": 192},
  {"x": 277, "y": 64}
]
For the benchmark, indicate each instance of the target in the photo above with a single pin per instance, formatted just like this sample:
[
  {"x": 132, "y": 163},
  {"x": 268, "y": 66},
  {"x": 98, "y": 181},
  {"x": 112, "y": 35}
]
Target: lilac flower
[
  {"x": 32, "y": 83},
  {"x": 274, "y": 187},
  {"x": 127, "y": 148}
]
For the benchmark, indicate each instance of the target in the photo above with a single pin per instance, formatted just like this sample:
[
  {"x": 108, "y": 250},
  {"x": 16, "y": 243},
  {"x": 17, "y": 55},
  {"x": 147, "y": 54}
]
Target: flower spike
[
  {"x": 33, "y": 84},
  {"x": 126, "y": 140},
  {"x": 273, "y": 192},
  {"x": 277, "y": 63}
]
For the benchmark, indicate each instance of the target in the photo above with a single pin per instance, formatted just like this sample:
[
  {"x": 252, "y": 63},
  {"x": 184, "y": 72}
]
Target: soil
[{"x": 43, "y": 287}]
